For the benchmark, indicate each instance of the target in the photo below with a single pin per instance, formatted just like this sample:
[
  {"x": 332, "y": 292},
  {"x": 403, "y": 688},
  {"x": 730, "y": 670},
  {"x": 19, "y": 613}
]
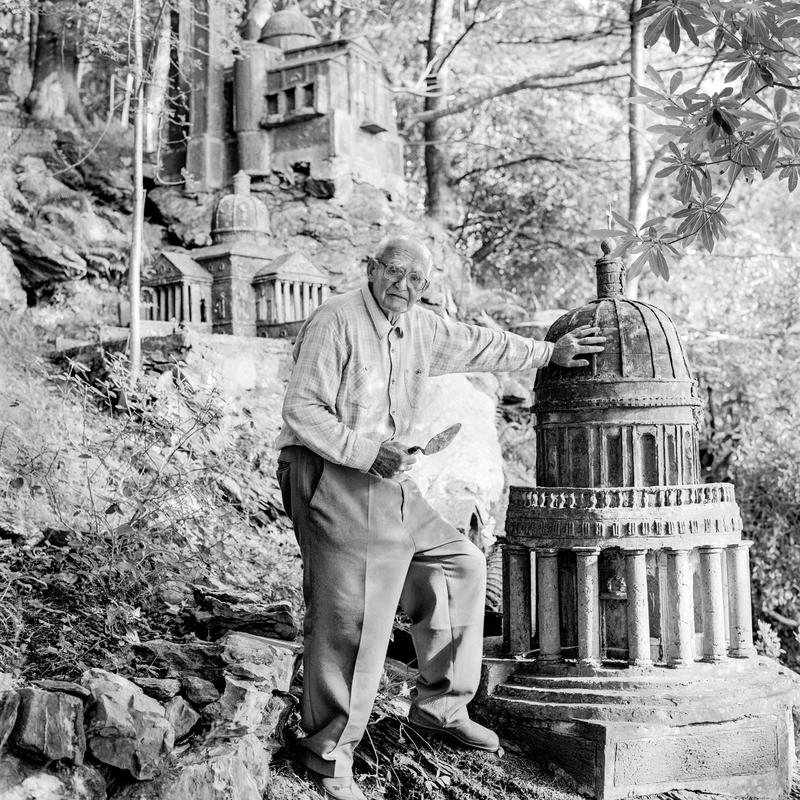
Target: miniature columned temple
[
  {"x": 626, "y": 581},
  {"x": 241, "y": 284}
]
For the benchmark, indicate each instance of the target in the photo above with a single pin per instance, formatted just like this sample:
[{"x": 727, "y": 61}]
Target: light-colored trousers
[{"x": 369, "y": 544}]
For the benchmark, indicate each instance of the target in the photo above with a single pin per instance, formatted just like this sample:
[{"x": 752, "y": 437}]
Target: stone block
[
  {"x": 242, "y": 705},
  {"x": 181, "y": 659},
  {"x": 127, "y": 729},
  {"x": 236, "y": 770},
  {"x": 162, "y": 689},
  {"x": 22, "y": 780},
  {"x": 198, "y": 691},
  {"x": 67, "y": 687},
  {"x": 278, "y": 656},
  {"x": 49, "y": 726},
  {"x": 9, "y": 704},
  {"x": 181, "y": 716},
  {"x": 221, "y": 611}
]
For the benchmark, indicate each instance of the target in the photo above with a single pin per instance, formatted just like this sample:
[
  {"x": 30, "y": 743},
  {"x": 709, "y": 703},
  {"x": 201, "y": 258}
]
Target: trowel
[{"x": 438, "y": 442}]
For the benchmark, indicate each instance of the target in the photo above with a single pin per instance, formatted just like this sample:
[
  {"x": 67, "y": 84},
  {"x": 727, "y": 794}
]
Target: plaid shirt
[{"x": 357, "y": 377}]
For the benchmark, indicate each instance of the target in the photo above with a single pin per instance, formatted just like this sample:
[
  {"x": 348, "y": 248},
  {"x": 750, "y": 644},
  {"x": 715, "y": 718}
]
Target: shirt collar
[{"x": 379, "y": 319}]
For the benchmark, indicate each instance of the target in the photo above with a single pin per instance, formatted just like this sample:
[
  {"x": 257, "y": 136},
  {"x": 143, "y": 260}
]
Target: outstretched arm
[{"x": 458, "y": 347}]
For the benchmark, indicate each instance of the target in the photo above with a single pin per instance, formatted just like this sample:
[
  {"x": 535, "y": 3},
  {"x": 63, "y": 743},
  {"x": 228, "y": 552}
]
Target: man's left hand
[{"x": 584, "y": 340}]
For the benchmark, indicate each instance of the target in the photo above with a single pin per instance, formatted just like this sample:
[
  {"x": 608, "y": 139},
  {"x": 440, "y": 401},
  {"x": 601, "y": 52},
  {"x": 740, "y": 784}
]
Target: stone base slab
[{"x": 746, "y": 749}]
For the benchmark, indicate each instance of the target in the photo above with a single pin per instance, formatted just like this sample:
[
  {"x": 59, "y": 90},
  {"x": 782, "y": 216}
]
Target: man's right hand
[
  {"x": 392, "y": 459},
  {"x": 583, "y": 341}
]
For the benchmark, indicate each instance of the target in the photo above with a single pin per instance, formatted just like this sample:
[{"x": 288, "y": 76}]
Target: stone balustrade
[{"x": 576, "y": 517}]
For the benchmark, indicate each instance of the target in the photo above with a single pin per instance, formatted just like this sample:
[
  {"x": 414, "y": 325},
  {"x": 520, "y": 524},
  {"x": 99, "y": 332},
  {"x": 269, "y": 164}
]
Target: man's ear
[{"x": 372, "y": 266}]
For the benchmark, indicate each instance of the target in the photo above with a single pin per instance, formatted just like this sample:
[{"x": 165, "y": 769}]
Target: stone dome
[
  {"x": 289, "y": 29},
  {"x": 628, "y": 418},
  {"x": 240, "y": 216},
  {"x": 643, "y": 362}
]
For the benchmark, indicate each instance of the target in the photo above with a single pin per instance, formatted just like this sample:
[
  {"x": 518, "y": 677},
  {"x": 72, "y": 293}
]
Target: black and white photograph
[{"x": 399, "y": 399}]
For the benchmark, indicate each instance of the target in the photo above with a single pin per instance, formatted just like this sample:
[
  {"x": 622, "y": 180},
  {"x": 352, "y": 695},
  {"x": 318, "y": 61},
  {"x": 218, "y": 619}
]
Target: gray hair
[{"x": 407, "y": 247}]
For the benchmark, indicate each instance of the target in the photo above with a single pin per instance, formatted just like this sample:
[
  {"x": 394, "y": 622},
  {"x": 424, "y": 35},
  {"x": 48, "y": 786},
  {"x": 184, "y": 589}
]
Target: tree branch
[
  {"x": 531, "y": 82},
  {"x": 780, "y": 618}
]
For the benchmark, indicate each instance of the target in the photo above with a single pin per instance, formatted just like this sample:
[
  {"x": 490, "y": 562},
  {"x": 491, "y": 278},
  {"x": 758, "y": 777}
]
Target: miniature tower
[
  {"x": 626, "y": 581},
  {"x": 241, "y": 246}
]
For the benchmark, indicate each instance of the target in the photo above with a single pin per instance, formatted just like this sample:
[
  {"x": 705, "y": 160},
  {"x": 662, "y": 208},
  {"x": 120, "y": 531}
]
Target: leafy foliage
[
  {"x": 712, "y": 139},
  {"x": 111, "y": 496}
]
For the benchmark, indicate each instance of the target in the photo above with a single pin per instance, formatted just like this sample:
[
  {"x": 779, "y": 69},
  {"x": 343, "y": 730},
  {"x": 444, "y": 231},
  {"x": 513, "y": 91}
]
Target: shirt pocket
[{"x": 360, "y": 385}]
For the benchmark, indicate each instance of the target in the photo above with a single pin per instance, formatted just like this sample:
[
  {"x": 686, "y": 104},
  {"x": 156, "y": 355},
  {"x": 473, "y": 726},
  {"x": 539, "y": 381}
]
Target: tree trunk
[
  {"x": 639, "y": 187},
  {"x": 54, "y": 93},
  {"x": 137, "y": 235},
  {"x": 438, "y": 198}
]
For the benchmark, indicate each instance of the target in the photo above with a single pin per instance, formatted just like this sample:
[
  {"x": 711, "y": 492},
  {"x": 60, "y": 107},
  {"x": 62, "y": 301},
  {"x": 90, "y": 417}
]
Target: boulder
[
  {"x": 241, "y": 706},
  {"x": 198, "y": 691},
  {"x": 126, "y": 728},
  {"x": 202, "y": 659},
  {"x": 181, "y": 716},
  {"x": 12, "y": 295},
  {"x": 67, "y": 687},
  {"x": 219, "y": 611},
  {"x": 21, "y": 780},
  {"x": 464, "y": 482},
  {"x": 9, "y": 705},
  {"x": 49, "y": 726},
  {"x": 236, "y": 770},
  {"x": 246, "y": 648},
  {"x": 162, "y": 689}
]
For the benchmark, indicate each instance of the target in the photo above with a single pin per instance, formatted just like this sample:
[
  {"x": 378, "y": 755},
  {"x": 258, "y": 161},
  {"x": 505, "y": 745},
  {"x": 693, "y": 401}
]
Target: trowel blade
[{"x": 441, "y": 440}]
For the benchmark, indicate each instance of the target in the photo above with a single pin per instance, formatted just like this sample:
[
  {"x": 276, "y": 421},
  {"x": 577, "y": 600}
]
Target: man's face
[{"x": 398, "y": 283}]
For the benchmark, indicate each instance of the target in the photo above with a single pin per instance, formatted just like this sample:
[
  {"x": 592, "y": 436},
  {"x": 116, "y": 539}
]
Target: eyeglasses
[{"x": 416, "y": 280}]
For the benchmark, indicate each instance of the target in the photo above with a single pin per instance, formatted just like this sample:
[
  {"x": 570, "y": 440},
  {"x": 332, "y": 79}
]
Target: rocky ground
[{"x": 150, "y": 603}]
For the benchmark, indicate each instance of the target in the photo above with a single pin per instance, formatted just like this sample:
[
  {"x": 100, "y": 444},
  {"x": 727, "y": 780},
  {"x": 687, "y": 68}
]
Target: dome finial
[
  {"x": 610, "y": 272},
  {"x": 241, "y": 183}
]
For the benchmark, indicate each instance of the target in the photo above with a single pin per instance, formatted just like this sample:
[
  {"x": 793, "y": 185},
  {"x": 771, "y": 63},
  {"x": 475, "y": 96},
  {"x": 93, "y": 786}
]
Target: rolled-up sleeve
[
  {"x": 459, "y": 347},
  {"x": 309, "y": 407}
]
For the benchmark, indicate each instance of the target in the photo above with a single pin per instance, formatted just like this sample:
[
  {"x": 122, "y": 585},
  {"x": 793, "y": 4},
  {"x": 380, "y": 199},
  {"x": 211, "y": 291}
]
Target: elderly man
[{"x": 368, "y": 539}]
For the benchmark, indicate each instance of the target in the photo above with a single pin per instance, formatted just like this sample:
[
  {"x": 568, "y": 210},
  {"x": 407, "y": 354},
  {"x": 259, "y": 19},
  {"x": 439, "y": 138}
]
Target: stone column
[
  {"x": 288, "y": 296},
  {"x": 517, "y": 598},
  {"x": 588, "y": 605},
  {"x": 196, "y": 297},
  {"x": 185, "y": 314},
  {"x": 681, "y": 604},
  {"x": 306, "y": 299},
  {"x": 741, "y": 620},
  {"x": 279, "y": 302},
  {"x": 713, "y": 608},
  {"x": 638, "y": 616},
  {"x": 547, "y": 605},
  {"x": 325, "y": 292},
  {"x": 170, "y": 303}
]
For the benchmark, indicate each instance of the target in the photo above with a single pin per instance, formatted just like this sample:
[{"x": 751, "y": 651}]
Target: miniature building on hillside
[
  {"x": 287, "y": 291},
  {"x": 290, "y": 102},
  {"x": 178, "y": 289},
  {"x": 627, "y": 621},
  {"x": 241, "y": 284}
]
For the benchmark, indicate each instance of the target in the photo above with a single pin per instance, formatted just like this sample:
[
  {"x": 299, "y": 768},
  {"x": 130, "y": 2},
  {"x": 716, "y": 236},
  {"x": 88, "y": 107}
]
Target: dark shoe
[
  {"x": 466, "y": 732},
  {"x": 336, "y": 788}
]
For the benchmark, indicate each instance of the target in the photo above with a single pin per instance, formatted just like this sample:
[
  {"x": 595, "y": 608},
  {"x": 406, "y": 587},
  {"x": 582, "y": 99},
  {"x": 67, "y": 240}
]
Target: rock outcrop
[
  {"x": 127, "y": 729},
  {"x": 49, "y": 726}
]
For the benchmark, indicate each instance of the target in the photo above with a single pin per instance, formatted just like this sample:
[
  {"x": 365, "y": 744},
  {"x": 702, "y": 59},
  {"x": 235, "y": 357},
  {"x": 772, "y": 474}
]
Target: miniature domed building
[
  {"x": 240, "y": 216},
  {"x": 626, "y": 594},
  {"x": 597, "y": 425},
  {"x": 289, "y": 29}
]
